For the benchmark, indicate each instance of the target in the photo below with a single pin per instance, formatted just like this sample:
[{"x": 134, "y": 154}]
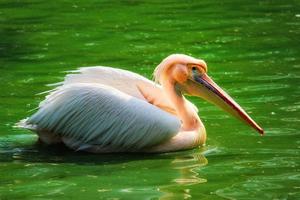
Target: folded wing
[{"x": 102, "y": 116}]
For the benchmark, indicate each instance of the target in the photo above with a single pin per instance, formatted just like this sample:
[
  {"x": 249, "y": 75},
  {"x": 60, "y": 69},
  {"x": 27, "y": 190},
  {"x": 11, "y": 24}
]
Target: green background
[{"x": 252, "y": 51}]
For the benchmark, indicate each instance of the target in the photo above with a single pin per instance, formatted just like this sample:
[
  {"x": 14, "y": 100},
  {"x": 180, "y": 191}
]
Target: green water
[{"x": 252, "y": 50}]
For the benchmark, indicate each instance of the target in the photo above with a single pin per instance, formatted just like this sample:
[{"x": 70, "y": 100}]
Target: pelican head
[{"x": 188, "y": 76}]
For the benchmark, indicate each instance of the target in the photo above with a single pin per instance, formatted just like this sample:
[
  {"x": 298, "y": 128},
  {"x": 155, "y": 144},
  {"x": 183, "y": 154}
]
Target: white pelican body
[{"x": 103, "y": 109}]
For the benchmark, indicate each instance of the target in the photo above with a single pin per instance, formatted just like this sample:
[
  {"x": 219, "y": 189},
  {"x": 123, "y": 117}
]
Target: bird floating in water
[{"x": 103, "y": 109}]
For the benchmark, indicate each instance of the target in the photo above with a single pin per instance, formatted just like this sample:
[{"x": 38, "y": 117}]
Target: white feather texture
[
  {"x": 102, "y": 109},
  {"x": 122, "y": 80}
]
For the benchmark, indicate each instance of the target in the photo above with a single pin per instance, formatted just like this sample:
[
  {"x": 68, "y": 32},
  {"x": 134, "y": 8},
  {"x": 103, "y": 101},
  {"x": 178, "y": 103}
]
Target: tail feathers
[{"x": 23, "y": 124}]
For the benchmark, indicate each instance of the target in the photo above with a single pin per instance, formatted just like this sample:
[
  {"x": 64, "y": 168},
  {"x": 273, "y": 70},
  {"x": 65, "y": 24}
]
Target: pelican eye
[{"x": 194, "y": 68}]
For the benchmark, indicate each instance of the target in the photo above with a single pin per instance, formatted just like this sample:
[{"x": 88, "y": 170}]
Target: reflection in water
[
  {"x": 186, "y": 166},
  {"x": 57, "y": 171}
]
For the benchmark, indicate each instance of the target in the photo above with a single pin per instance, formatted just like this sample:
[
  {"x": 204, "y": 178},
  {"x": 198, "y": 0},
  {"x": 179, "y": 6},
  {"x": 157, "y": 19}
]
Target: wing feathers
[{"x": 98, "y": 115}]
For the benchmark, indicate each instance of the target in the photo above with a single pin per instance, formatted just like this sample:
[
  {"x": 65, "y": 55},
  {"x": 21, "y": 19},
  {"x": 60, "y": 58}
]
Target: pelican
[{"x": 104, "y": 110}]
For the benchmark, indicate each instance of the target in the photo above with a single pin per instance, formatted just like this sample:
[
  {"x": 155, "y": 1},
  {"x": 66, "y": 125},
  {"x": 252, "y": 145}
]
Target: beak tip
[{"x": 261, "y": 131}]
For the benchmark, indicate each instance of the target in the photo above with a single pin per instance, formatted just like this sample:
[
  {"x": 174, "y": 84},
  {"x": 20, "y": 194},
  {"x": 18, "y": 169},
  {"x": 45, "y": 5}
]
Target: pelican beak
[{"x": 203, "y": 86}]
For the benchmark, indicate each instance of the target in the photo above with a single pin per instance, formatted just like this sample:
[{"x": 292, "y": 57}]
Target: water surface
[{"x": 252, "y": 50}]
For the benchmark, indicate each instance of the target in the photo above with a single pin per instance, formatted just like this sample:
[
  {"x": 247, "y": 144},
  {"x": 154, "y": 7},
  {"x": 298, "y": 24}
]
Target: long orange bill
[{"x": 214, "y": 94}]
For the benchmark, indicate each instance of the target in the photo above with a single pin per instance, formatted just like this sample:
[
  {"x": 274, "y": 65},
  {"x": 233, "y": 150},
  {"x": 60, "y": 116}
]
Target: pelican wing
[
  {"x": 96, "y": 114},
  {"x": 125, "y": 81},
  {"x": 122, "y": 80}
]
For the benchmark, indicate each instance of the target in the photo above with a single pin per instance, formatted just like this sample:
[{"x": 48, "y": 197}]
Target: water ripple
[
  {"x": 187, "y": 165},
  {"x": 274, "y": 77},
  {"x": 262, "y": 186},
  {"x": 263, "y": 99},
  {"x": 290, "y": 108},
  {"x": 281, "y": 132},
  {"x": 261, "y": 87}
]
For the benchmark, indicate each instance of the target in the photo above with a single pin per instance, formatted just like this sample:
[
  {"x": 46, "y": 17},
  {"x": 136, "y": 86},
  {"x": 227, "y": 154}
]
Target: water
[{"x": 252, "y": 50}]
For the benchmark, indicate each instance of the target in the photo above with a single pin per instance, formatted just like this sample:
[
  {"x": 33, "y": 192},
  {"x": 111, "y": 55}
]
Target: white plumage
[{"x": 102, "y": 109}]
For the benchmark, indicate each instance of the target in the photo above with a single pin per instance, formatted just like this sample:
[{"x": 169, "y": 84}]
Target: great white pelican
[{"x": 103, "y": 109}]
